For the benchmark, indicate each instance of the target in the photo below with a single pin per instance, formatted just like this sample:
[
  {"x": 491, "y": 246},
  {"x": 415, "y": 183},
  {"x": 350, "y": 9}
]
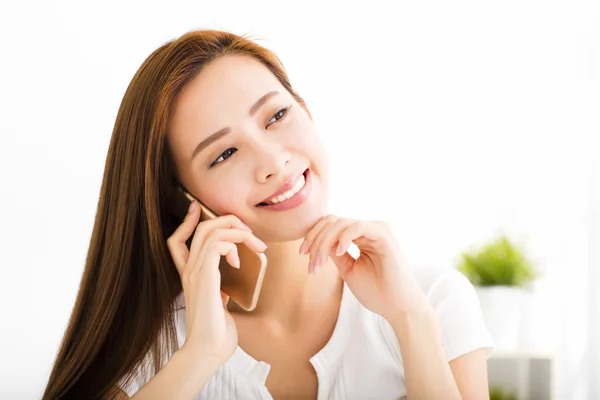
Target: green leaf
[
  {"x": 499, "y": 262},
  {"x": 497, "y": 393}
]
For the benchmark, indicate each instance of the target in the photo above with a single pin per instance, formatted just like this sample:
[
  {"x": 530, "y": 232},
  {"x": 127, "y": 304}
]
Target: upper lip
[{"x": 287, "y": 185}]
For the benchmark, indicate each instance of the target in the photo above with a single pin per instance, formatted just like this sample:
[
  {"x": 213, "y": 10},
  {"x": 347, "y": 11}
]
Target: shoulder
[
  {"x": 456, "y": 304},
  {"x": 442, "y": 285},
  {"x": 455, "y": 301}
]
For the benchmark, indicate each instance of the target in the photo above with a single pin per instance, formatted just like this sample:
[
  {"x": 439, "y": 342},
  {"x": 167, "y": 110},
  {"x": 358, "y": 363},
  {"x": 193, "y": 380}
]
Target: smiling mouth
[{"x": 287, "y": 195}]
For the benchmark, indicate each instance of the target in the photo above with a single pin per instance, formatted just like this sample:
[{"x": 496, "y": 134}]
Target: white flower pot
[{"x": 504, "y": 311}]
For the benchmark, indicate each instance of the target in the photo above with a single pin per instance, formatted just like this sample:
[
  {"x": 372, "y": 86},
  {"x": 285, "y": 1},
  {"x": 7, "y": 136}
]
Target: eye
[
  {"x": 278, "y": 116},
  {"x": 281, "y": 114},
  {"x": 223, "y": 156}
]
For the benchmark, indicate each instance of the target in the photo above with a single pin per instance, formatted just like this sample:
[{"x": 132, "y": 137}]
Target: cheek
[
  {"x": 226, "y": 196},
  {"x": 307, "y": 141},
  {"x": 314, "y": 149}
]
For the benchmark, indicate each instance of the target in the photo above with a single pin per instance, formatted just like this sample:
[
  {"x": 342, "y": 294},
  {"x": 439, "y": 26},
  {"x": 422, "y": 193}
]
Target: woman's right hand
[{"x": 210, "y": 330}]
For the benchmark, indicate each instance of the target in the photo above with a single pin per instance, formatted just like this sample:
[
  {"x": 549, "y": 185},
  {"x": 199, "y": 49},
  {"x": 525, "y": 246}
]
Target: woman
[{"x": 216, "y": 114}]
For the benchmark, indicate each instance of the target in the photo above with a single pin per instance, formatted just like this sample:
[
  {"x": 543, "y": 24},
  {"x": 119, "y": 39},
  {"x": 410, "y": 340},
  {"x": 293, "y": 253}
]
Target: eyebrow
[{"x": 224, "y": 131}]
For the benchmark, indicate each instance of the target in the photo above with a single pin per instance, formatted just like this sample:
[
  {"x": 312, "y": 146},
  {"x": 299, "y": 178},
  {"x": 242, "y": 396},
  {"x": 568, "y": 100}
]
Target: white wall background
[{"x": 452, "y": 120}]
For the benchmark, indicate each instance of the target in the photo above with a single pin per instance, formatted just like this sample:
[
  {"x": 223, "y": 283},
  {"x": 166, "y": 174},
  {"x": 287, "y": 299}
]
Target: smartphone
[{"x": 241, "y": 285}]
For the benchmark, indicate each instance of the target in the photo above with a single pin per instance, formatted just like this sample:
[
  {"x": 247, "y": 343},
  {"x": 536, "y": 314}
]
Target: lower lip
[{"x": 295, "y": 200}]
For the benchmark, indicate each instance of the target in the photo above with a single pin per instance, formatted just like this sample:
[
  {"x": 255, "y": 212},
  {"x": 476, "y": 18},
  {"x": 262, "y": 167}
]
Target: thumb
[
  {"x": 344, "y": 263},
  {"x": 176, "y": 243}
]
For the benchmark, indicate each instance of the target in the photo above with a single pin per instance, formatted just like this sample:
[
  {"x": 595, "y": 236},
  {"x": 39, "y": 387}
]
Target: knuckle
[
  {"x": 205, "y": 243},
  {"x": 171, "y": 247},
  {"x": 213, "y": 245},
  {"x": 216, "y": 233},
  {"x": 329, "y": 220},
  {"x": 355, "y": 225},
  {"x": 232, "y": 218},
  {"x": 382, "y": 224},
  {"x": 202, "y": 226},
  {"x": 338, "y": 221},
  {"x": 218, "y": 246}
]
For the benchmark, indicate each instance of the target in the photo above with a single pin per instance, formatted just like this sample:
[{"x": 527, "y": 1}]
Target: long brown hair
[{"x": 125, "y": 304}]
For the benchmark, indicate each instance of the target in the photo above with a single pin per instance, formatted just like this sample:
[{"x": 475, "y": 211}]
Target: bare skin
[
  {"x": 287, "y": 346},
  {"x": 298, "y": 309}
]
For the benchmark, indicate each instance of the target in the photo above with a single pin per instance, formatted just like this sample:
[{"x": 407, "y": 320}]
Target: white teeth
[{"x": 284, "y": 196}]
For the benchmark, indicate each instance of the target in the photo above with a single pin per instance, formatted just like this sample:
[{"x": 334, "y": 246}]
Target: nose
[{"x": 272, "y": 160}]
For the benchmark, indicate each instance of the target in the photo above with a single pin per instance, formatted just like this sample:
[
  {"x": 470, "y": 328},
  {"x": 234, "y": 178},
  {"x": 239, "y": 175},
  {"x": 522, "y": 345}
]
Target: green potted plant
[
  {"x": 498, "y": 393},
  {"x": 502, "y": 275}
]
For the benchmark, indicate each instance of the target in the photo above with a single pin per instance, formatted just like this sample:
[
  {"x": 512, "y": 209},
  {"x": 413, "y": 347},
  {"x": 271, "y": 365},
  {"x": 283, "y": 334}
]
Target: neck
[{"x": 288, "y": 291}]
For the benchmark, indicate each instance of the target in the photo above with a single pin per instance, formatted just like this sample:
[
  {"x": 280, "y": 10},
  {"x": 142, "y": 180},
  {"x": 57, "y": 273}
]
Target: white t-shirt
[{"x": 362, "y": 358}]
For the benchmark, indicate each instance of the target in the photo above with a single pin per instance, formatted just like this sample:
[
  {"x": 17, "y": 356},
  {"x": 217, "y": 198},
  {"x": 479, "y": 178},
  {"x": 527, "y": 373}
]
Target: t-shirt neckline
[{"x": 257, "y": 371}]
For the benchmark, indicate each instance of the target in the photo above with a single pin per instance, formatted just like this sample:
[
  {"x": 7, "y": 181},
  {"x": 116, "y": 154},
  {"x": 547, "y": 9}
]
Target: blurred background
[{"x": 472, "y": 127}]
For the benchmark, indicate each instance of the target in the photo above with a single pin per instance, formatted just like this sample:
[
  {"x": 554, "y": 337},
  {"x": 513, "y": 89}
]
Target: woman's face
[{"x": 234, "y": 152}]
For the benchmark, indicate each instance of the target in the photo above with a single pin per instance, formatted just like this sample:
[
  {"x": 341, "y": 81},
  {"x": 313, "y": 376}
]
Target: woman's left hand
[{"x": 380, "y": 278}]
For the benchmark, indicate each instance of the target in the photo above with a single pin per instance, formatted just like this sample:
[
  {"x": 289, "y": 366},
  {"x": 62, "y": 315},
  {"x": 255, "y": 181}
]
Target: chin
[{"x": 286, "y": 227}]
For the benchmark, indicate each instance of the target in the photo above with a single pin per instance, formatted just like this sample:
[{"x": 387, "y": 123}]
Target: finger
[
  {"x": 344, "y": 263},
  {"x": 313, "y": 247},
  {"x": 206, "y": 227},
  {"x": 231, "y": 236},
  {"x": 206, "y": 269},
  {"x": 213, "y": 254},
  {"x": 359, "y": 230},
  {"x": 176, "y": 243},
  {"x": 328, "y": 239},
  {"x": 239, "y": 236},
  {"x": 314, "y": 232},
  {"x": 233, "y": 258}
]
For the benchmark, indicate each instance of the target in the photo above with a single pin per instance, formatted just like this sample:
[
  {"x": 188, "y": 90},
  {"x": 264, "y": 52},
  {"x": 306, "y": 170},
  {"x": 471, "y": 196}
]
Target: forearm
[
  {"x": 428, "y": 374},
  {"x": 181, "y": 378}
]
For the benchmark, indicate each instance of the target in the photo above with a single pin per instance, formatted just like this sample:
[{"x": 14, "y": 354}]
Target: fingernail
[
  {"x": 303, "y": 247},
  {"x": 317, "y": 269},
  {"x": 264, "y": 245},
  {"x": 339, "y": 251},
  {"x": 192, "y": 207},
  {"x": 311, "y": 263}
]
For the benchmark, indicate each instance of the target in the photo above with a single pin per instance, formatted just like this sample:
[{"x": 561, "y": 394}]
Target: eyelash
[{"x": 285, "y": 112}]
